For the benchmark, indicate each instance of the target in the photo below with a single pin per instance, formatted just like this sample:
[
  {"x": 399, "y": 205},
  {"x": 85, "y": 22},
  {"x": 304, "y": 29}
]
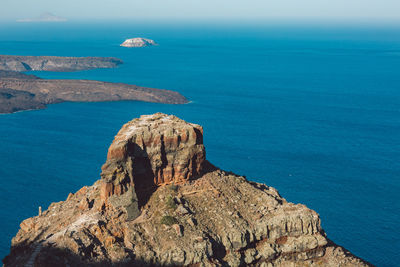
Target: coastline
[{"x": 18, "y": 90}]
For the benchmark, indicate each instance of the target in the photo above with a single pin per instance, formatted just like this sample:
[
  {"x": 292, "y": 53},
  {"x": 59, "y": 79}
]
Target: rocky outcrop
[
  {"x": 138, "y": 42},
  {"x": 196, "y": 215},
  {"x": 152, "y": 151},
  {"x": 53, "y": 63},
  {"x": 56, "y": 91}
]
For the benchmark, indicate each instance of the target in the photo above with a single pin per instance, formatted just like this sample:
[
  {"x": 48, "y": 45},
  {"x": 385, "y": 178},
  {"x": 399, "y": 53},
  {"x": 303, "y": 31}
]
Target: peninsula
[
  {"x": 159, "y": 202},
  {"x": 24, "y": 92},
  {"x": 53, "y": 63}
]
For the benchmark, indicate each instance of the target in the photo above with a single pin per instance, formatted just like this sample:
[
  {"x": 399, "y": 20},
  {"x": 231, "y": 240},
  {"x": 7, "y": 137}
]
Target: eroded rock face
[
  {"x": 151, "y": 151},
  {"x": 217, "y": 219}
]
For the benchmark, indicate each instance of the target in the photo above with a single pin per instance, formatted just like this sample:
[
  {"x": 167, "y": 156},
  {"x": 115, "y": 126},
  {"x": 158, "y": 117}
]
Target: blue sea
[{"x": 311, "y": 110}]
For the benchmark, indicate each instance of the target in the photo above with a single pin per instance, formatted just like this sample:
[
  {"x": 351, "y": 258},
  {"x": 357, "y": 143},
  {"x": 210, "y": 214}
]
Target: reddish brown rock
[
  {"x": 28, "y": 225},
  {"x": 151, "y": 151},
  {"x": 218, "y": 219}
]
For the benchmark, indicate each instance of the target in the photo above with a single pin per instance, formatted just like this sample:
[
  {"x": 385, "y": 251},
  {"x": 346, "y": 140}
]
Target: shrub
[
  {"x": 173, "y": 187},
  {"x": 171, "y": 203},
  {"x": 168, "y": 220}
]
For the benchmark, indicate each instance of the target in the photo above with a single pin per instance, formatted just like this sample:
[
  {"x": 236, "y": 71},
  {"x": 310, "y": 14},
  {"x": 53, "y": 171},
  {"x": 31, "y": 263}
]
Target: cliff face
[
  {"x": 150, "y": 152},
  {"x": 53, "y": 63},
  {"x": 159, "y": 202}
]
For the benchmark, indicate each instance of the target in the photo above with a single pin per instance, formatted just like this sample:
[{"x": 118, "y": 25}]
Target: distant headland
[
  {"x": 19, "y": 91},
  {"x": 53, "y": 63}
]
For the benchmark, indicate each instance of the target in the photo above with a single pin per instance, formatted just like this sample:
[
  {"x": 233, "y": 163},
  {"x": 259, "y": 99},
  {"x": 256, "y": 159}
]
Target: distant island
[
  {"x": 26, "y": 92},
  {"x": 19, "y": 91},
  {"x": 54, "y": 63},
  {"x": 138, "y": 42},
  {"x": 45, "y": 17}
]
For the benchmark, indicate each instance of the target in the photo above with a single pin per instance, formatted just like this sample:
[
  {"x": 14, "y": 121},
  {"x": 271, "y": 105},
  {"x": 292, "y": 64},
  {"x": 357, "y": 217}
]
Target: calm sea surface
[{"x": 314, "y": 112}]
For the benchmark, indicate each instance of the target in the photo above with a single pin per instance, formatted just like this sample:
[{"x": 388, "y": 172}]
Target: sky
[{"x": 336, "y": 10}]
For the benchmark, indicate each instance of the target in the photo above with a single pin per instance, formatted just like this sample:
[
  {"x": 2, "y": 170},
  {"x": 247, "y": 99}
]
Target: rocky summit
[{"x": 160, "y": 203}]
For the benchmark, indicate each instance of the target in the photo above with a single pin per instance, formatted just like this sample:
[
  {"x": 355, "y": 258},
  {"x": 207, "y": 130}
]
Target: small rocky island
[
  {"x": 159, "y": 202},
  {"x": 138, "y": 42},
  {"x": 53, "y": 63}
]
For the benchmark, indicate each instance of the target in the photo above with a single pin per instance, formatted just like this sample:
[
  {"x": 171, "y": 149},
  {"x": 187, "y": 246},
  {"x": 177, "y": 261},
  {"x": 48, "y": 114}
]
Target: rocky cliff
[
  {"x": 159, "y": 202},
  {"x": 53, "y": 63}
]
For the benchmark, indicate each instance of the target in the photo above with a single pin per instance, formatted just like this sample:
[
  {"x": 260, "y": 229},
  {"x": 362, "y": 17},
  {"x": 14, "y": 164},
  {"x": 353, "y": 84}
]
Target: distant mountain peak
[{"x": 44, "y": 17}]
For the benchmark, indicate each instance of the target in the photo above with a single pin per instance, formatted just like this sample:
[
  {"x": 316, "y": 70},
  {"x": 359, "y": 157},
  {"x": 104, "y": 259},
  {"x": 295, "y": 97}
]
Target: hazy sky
[{"x": 387, "y": 10}]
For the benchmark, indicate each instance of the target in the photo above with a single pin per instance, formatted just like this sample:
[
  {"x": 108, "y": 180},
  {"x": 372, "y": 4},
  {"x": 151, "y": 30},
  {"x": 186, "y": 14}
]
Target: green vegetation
[
  {"x": 168, "y": 220},
  {"x": 173, "y": 187},
  {"x": 171, "y": 202}
]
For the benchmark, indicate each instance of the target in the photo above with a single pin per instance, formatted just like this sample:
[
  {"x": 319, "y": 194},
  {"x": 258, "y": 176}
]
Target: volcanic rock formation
[
  {"x": 152, "y": 151},
  {"x": 159, "y": 202}
]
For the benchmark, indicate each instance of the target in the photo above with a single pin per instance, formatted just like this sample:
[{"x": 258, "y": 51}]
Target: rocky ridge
[
  {"x": 159, "y": 202},
  {"x": 54, "y": 63}
]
